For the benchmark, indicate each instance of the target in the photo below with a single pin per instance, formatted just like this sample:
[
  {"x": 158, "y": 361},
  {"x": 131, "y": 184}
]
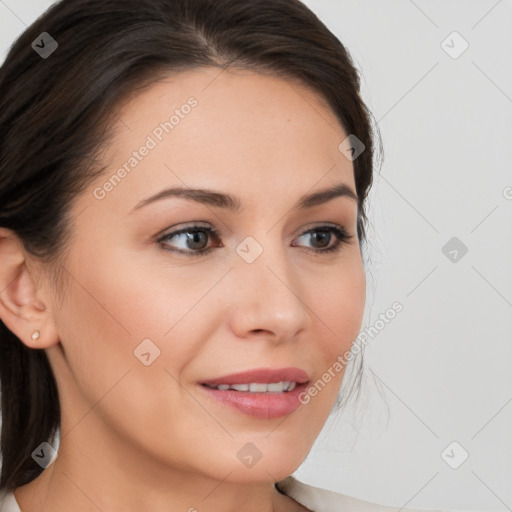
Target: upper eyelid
[{"x": 217, "y": 232}]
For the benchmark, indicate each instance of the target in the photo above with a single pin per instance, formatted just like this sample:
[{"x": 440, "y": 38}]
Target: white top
[
  {"x": 322, "y": 500},
  {"x": 313, "y": 498}
]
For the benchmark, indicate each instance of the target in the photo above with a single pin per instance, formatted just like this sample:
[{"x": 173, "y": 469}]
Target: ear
[{"x": 23, "y": 308}]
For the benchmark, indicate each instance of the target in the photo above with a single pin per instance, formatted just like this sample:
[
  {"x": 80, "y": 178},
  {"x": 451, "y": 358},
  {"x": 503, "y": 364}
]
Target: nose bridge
[{"x": 269, "y": 291}]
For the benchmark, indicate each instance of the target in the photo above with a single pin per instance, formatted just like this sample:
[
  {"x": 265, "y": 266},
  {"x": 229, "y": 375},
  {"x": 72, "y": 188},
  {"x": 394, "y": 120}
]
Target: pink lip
[
  {"x": 261, "y": 375},
  {"x": 260, "y": 405}
]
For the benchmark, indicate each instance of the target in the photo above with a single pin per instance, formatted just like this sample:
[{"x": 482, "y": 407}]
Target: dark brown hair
[{"x": 54, "y": 119}]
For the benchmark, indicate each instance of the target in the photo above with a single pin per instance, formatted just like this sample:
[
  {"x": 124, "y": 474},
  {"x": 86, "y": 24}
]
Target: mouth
[
  {"x": 261, "y": 393},
  {"x": 257, "y": 387}
]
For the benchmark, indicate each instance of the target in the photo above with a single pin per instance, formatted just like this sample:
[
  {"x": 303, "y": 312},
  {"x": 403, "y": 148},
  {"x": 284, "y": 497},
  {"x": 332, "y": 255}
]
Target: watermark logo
[
  {"x": 45, "y": 454},
  {"x": 454, "y": 45},
  {"x": 44, "y": 45},
  {"x": 146, "y": 352},
  {"x": 454, "y": 249},
  {"x": 249, "y": 249},
  {"x": 249, "y": 455},
  {"x": 351, "y": 147},
  {"x": 455, "y": 455}
]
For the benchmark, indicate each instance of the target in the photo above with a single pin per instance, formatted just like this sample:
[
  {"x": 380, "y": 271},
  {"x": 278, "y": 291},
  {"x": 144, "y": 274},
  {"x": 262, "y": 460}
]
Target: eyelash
[{"x": 340, "y": 233}]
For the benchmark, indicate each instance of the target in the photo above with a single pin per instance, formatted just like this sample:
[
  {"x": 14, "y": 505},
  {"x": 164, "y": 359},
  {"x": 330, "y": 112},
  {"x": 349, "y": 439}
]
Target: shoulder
[
  {"x": 8, "y": 502},
  {"x": 322, "y": 500}
]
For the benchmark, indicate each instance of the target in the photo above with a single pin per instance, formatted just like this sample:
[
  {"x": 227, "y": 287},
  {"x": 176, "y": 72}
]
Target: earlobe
[{"x": 20, "y": 309}]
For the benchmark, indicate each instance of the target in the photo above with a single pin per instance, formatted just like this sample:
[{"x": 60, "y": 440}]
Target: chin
[
  {"x": 260, "y": 473},
  {"x": 263, "y": 458}
]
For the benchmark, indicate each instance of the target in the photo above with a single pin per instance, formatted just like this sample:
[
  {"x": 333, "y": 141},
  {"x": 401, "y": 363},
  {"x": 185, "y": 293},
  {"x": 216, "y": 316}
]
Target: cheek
[
  {"x": 104, "y": 320},
  {"x": 115, "y": 308},
  {"x": 340, "y": 305},
  {"x": 337, "y": 309},
  {"x": 130, "y": 299}
]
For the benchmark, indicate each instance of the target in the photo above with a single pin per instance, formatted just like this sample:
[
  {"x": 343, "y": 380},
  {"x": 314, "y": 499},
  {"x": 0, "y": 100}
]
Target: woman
[{"x": 182, "y": 221}]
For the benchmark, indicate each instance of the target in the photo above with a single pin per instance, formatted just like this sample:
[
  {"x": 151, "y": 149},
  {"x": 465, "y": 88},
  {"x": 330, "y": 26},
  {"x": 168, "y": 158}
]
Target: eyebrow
[{"x": 232, "y": 203}]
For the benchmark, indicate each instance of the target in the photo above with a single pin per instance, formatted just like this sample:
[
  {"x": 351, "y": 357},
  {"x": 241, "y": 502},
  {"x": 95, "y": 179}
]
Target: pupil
[
  {"x": 195, "y": 238},
  {"x": 322, "y": 235}
]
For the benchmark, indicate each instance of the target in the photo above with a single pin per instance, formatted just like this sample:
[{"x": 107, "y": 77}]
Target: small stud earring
[{"x": 35, "y": 335}]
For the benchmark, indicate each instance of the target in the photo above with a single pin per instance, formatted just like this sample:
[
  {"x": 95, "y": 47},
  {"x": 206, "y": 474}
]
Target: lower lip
[{"x": 259, "y": 405}]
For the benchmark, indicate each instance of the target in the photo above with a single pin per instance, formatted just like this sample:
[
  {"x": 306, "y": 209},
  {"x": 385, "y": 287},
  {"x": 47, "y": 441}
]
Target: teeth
[
  {"x": 256, "y": 387},
  {"x": 240, "y": 387},
  {"x": 260, "y": 388},
  {"x": 276, "y": 386}
]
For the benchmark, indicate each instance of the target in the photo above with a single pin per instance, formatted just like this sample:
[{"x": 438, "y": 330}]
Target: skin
[{"x": 138, "y": 437}]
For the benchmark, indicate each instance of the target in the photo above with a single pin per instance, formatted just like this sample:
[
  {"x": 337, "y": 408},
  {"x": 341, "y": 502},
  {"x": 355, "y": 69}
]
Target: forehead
[
  {"x": 238, "y": 130},
  {"x": 222, "y": 87},
  {"x": 239, "y": 103}
]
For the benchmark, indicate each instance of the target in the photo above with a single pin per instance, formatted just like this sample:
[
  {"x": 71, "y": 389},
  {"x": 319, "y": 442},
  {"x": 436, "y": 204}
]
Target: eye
[
  {"x": 323, "y": 236},
  {"x": 194, "y": 239}
]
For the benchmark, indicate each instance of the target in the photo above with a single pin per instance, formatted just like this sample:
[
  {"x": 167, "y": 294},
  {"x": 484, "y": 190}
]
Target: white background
[{"x": 440, "y": 371}]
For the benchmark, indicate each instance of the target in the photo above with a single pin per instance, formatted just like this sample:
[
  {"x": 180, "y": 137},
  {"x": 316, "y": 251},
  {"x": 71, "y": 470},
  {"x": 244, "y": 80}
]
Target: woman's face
[{"x": 142, "y": 327}]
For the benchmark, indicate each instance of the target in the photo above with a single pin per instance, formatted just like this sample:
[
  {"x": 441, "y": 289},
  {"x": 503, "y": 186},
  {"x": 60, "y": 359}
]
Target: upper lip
[{"x": 261, "y": 375}]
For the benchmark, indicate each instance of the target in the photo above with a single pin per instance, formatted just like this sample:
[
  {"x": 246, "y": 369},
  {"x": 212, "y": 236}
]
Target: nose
[{"x": 268, "y": 297}]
